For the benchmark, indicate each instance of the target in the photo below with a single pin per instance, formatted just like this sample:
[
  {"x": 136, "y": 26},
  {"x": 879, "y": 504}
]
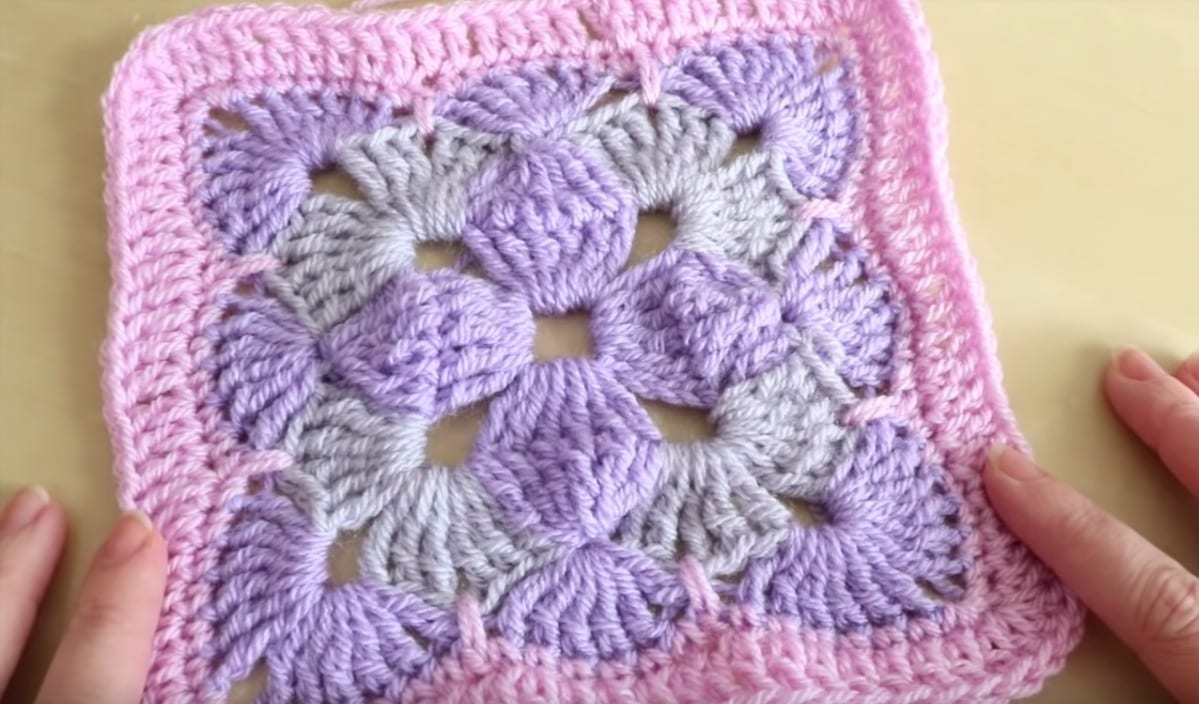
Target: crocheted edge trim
[{"x": 166, "y": 269}]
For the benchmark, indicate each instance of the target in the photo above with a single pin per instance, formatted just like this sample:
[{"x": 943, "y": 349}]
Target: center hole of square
[{"x": 559, "y": 336}]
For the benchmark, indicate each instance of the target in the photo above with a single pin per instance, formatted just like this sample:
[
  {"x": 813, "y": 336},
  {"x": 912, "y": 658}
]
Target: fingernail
[
  {"x": 1011, "y": 463},
  {"x": 1136, "y": 365},
  {"x": 23, "y": 508},
  {"x": 130, "y": 533}
]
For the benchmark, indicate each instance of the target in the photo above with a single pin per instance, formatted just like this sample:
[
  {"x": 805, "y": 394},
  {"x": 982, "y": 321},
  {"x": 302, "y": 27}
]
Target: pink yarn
[{"x": 178, "y": 464}]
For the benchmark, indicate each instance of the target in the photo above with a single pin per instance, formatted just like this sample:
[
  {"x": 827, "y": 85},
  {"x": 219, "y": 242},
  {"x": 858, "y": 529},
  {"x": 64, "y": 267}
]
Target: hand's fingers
[
  {"x": 1188, "y": 373},
  {"x": 105, "y": 653},
  {"x": 1147, "y": 598},
  {"x": 1160, "y": 409},
  {"x": 32, "y": 529}
]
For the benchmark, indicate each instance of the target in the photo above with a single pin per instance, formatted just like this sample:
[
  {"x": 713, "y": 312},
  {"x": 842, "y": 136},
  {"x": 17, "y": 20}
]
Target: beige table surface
[{"x": 1075, "y": 155}]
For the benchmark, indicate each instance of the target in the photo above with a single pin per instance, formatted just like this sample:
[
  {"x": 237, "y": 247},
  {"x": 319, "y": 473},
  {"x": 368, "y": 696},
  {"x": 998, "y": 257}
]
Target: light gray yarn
[
  {"x": 441, "y": 535},
  {"x": 433, "y": 530},
  {"x": 706, "y": 504},
  {"x": 667, "y": 155},
  {"x": 757, "y": 204},
  {"x": 660, "y": 151},
  {"x": 350, "y": 460},
  {"x": 422, "y": 180},
  {"x": 760, "y": 418},
  {"x": 337, "y": 252},
  {"x": 676, "y": 157},
  {"x": 777, "y": 433}
]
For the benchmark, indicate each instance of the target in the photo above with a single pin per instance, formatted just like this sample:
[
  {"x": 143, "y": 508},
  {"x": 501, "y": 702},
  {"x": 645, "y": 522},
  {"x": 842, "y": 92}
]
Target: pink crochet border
[{"x": 176, "y": 464}]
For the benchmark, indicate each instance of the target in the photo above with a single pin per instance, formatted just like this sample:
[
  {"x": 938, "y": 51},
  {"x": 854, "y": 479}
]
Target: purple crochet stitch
[{"x": 569, "y": 517}]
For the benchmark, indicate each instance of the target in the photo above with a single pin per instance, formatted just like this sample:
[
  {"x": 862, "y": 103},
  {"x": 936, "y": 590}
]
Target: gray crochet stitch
[
  {"x": 677, "y": 159},
  {"x": 337, "y": 252},
  {"x": 350, "y": 460},
  {"x": 779, "y": 434},
  {"x": 757, "y": 204},
  {"x": 433, "y": 530},
  {"x": 661, "y": 152},
  {"x": 421, "y": 179},
  {"x": 441, "y": 536}
]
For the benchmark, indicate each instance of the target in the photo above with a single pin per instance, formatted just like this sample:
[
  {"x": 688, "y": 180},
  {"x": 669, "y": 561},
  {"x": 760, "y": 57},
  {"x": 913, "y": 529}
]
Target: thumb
[
  {"x": 1149, "y": 600},
  {"x": 105, "y": 654}
]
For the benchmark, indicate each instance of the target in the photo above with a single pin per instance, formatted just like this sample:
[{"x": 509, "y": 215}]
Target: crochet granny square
[{"x": 278, "y": 356}]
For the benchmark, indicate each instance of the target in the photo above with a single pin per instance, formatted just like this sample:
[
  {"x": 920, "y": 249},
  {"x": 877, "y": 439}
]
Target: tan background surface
[{"x": 1074, "y": 153}]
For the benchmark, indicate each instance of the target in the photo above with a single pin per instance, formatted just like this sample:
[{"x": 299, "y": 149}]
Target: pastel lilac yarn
[
  {"x": 567, "y": 454},
  {"x": 277, "y": 360}
]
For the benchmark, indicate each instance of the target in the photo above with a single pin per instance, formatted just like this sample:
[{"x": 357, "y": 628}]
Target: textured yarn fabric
[{"x": 277, "y": 359}]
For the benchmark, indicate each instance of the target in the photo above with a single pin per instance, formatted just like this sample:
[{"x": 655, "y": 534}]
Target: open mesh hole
[
  {"x": 680, "y": 549},
  {"x": 429, "y": 143},
  {"x": 463, "y": 587},
  {"x": 655, "y": 231},
  {"x": 731, "y": 579},
  {"x": 334, "y": 181},
  {"x": 744, "y": 145},
  {"x": 438, "y": 255},
  {"x": 679, "y": 424},
  {"x": 431, "y": 256},
  {"x": 450, "y": 440},
  {"x": 612, "y": 97},
  {"x": 421, "y": 641},
  {"x": 588, "y": 26},
  {"x": 256, "y": 485},
  {"x": 929, "y": 591},
  {"x": 244, "y": 288},
  {"x": 956, "y": 585},
  {"x": 225, "y": 121},
  {"x": 247, "y": 690},
  {"x": 559, "y": 336},
  {"x": 801, "y": 511},
  {"x": 343, "y": 557}
]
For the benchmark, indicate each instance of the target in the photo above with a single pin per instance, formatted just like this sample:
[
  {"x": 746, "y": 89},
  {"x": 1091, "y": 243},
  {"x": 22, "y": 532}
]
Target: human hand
[
  {"x": 1146, "y": 597},
  {"x": 105, "y": 653}
]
